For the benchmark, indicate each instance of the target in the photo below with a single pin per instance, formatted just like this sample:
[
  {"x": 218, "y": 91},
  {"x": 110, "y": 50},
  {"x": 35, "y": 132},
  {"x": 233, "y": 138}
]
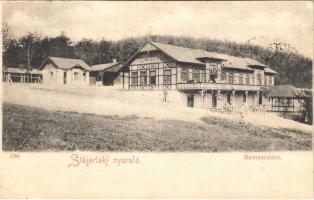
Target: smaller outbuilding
[
  {"x": 107, "y": 74},
  {"x": 21, "y": 75},
  {"x": 65, "y": 71},
  {"x": 286, "y": 98}
]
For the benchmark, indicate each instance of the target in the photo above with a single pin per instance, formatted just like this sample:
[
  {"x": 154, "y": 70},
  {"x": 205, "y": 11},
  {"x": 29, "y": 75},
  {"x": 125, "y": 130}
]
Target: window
[
  {"x": 196, "y": 75},
  {"x": 213, "y": 68},
  {"x": 259, "y": 79},
  {"x": 64, "y": 77},
  {"x": 231, "y": 78},
  {"x": 190, "y": 98},
  {"x": 152, "y": 77},
  {"x": 143, "y": 76},
  {"x": 223, "y": 76},
  {"x": 248, "y": 79},
  {"x": 184, "y": 75},
  {"x": 76, "y": 76},
  {"x": 51, "y": 76},
  {"x": 244, "y": 97},
  {"x": 212, "y": 77},
  {"x": 241, "y": 79},
  {"x": 265, "y": 80},
  {"x": 134, "y": 78},
  {"x": 213, "y": 72},
  {"x": 167, "y": 77},
  {"x": 84, "y": 76},
  {"x": 270, "y": 80}
]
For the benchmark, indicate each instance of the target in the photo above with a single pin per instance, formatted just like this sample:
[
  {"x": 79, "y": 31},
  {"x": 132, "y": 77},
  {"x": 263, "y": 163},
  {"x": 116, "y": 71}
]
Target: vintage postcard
[{"x": 163, "y": 99}]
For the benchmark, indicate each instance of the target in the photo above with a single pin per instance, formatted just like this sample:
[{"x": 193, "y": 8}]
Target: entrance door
[
  {"x": 190, "y": 98},
  {"x": 229, "y": 99},
  {"x": 64, "y": 77},
  {"x": 260, "y": 100},
  {"x": 214, "y": 100}
]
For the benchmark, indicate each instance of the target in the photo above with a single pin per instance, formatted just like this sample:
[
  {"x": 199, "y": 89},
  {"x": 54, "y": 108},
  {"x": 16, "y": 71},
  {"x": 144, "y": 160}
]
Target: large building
[
  {"x": 65, "y": 71},
  {"x": 205, "y": 79}
]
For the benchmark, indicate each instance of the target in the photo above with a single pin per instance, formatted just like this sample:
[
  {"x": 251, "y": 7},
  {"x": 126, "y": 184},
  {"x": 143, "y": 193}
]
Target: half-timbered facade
[{"x": 208, "y": 79}]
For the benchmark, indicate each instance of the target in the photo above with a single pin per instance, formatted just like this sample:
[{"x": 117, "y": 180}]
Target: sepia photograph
[{"x": 157, "y": 77}]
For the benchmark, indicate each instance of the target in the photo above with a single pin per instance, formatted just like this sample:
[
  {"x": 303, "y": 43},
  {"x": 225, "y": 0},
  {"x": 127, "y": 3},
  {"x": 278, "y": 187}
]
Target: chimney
[{"x": 114, "y": 60}]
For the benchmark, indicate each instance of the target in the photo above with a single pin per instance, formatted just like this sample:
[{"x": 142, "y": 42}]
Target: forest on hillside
[{"x": 32, "y": 48}]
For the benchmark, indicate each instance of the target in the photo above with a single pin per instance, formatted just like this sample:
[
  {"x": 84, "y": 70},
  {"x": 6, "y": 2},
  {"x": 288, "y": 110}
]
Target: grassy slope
[{"x": 32, "y": 129}]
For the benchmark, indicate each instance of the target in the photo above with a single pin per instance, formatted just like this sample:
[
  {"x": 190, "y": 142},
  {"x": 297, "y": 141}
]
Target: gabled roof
[
  {"x": 236, "y": 63},
  {"x": 66, "y": 63},
  {"x": 106, "y": 67},
  {"x": 187, "y": 55},
  {"x": 285, "y": 91}
]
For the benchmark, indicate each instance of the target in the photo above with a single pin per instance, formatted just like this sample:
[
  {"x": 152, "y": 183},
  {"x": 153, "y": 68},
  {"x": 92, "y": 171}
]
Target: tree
[
  {"x": 88, "y": 50},
  {"x": 292, "y": 67},
  {"x": 59, "y": 46},
  {"x": 6, "y": 39},
  {"x": 107, "y": 51}
]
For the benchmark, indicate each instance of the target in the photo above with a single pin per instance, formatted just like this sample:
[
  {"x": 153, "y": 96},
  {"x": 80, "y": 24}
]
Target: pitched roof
[
  {"x": 67, "y": 63},
  {"x": 180, "y": 54},
  {"x": 251, "y": 62},
  {"x": 269, "y": 70},
  {"x": 188, "y": 55},
  {"x": 191, "y": 55},
  {"x": 285, "y": 91},
  {"x": 236, "y": 63},
  {"x": 105, "y": 66},
  {"x": 206, "y": 54}
]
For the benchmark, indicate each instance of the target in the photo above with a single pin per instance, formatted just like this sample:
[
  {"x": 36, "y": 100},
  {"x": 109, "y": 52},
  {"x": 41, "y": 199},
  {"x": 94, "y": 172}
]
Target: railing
[
  {"x": 21, "y": 79},
  {"x": 217, "y": 86}
]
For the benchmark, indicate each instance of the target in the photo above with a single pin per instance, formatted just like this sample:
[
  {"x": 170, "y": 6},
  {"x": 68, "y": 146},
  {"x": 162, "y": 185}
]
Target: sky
[{"x": 258, "y": 22}]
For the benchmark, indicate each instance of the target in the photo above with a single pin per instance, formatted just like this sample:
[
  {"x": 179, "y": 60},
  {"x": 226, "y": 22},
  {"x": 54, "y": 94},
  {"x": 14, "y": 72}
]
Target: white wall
[
  {"x": 55, "y": 78},
  {"x": 58, "y": 76}
]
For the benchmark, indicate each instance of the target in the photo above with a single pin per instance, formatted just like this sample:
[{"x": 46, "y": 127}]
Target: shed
[
  {"x": 107, "y": 73},
  {"x": 21, "y": 75},
  {"x": 286, "y": 98}
]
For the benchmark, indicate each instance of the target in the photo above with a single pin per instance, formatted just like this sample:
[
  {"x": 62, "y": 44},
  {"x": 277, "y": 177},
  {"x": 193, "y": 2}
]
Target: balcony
[{"x": 217, "y": 86}]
